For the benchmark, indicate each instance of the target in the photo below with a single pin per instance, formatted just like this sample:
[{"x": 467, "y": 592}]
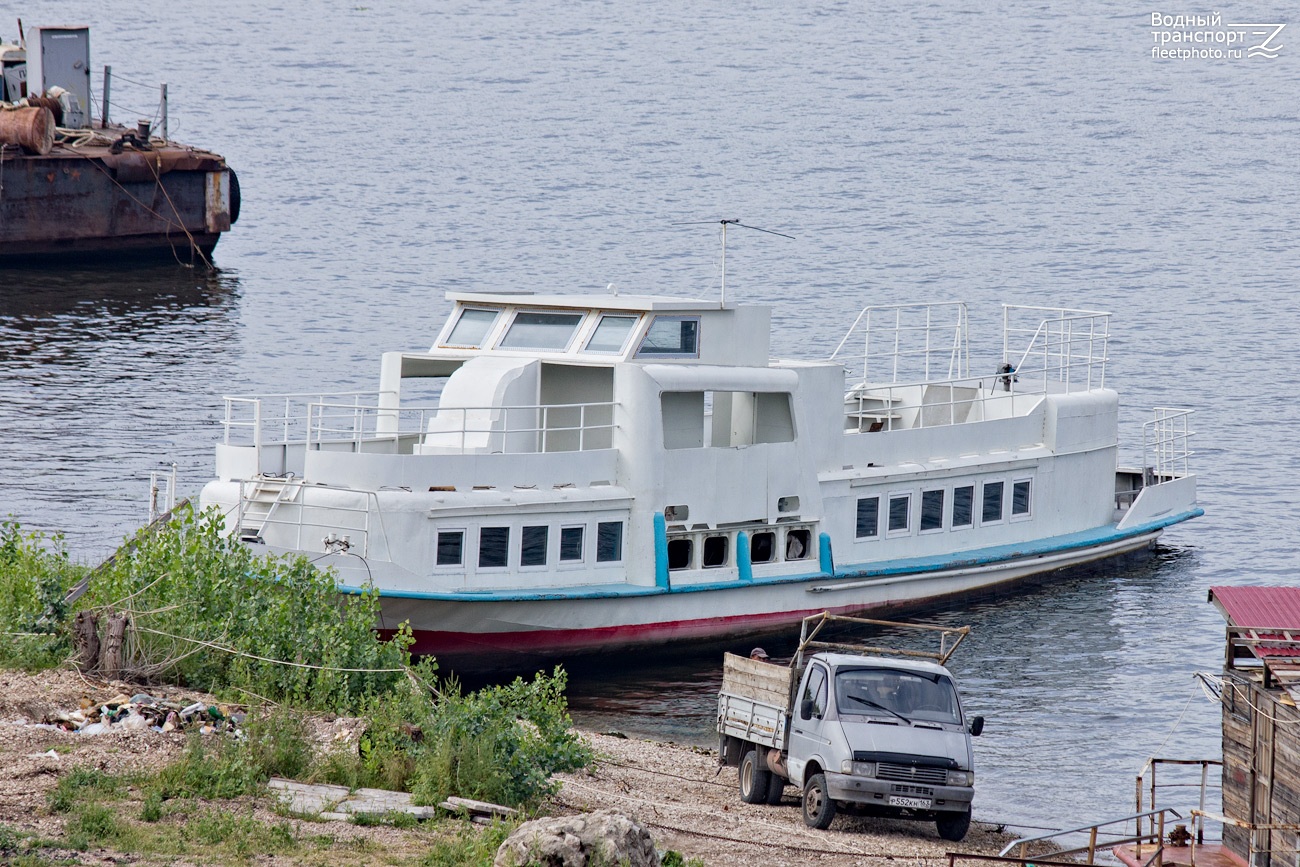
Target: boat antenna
[{"x": 725, "y": 224}]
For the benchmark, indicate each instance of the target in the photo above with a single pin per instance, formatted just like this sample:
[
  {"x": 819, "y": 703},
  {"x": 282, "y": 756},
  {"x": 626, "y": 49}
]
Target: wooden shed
[{"x": 1261, "y": 723}]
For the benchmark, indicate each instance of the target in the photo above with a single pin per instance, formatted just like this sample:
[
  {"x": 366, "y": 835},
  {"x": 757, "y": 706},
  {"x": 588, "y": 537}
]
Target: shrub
[
  {"x": 274, "y": 745},
  {"x": 500, "y": 744},
  {"x": 188, "y": 581},
  {"x": 35, "y": 576}
]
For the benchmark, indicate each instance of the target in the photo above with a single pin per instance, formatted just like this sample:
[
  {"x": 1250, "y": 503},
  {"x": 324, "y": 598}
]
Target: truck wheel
[
  {"x": 953, "y": 826},
  {"x": 775, "y": 789},
  {"x": 818, "y": 808},
  {"x": 754, "y": 779}
]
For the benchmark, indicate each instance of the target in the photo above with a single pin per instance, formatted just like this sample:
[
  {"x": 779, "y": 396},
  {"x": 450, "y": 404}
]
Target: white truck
[{"x": 871, "y": 730}]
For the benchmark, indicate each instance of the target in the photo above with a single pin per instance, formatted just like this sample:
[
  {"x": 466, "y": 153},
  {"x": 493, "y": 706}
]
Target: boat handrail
[
  {"x": 552, "y": 427},
  {"x": 909, "y": 340},
  {"x": 1066, "y": 347},
  {"x": 248, "y": 413},
  {"x": 1166, "y": 445}
]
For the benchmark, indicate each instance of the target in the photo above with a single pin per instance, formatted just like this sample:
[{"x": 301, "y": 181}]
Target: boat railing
[
  {"x": 350, "y": 527},
  {"x": 278, "y": 419},
  {"x": 905, "y": 342},
  {"x": 1166, "y": 445},
  {"x": 522, "y": 429},
  {"x": 870, "y": 407},
  {"x": 1064, "y": 349}
]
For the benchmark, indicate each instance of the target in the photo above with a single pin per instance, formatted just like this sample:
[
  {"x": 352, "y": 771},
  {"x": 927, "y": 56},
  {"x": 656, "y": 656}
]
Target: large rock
[{"x": 601, "y": 839}]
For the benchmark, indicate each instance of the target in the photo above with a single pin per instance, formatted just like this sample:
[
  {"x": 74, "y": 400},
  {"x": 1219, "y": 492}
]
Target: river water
[{"x": 1022, "y": 153}]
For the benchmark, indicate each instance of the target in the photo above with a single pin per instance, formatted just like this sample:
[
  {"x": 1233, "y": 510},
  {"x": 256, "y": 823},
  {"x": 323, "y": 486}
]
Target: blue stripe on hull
[{"x": 914, "y": 565}]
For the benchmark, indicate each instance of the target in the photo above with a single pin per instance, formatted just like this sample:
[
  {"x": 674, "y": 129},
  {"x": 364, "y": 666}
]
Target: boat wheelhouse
[{"x": 604, "y": 471}]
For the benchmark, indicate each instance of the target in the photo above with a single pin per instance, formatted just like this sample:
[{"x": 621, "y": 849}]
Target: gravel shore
[{"x": 678, "y": 792}]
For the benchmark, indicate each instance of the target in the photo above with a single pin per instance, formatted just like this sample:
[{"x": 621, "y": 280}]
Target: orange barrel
[{"x": 31, "y": 128}]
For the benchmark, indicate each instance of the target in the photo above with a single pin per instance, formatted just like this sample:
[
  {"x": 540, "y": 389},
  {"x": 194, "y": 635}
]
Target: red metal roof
[{"x": 1255, "y": 607}]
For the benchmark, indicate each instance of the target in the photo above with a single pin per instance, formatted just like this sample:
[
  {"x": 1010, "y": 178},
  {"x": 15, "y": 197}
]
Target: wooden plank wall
[
  {"x": 753, "y": 678},
  {"x": 1255, "y": 750}
]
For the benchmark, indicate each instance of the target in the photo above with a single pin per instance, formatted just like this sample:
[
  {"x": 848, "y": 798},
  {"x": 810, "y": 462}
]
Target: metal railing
[
  {"x": 295, "y": 508},
  {"x": 1065, "y": 346},
  {"x": 524, "y": 429},
  {"x": 1156, "y": 837},
  {"x": 907, "y": 341},
  {"x": 1147, "y": 786},
  {"x": 1166, "y": 444},
  {"x": 1256, "y": 833},
  {"x": 278, "y": 419}
]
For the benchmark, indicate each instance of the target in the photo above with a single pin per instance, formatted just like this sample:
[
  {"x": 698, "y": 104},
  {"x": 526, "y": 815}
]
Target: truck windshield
[{"x": 911, "y": 694}]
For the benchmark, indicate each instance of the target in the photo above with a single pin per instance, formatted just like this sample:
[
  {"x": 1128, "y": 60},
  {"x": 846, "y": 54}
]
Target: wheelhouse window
[
  {"x": 472, "y": 327},
  {"x": 1020, "y": 503},
  {"x": 610, "y": 334},
  {"x": 493, "y": 547},
  {"x": 900, "y": 508},
  {"x": 715, "y": 551},
  {"x": 868, "y": 526},
  {"x": 992, "y": 511},
  {"x": 762, "y": 547},
  {"x": 533, "y": 330},
  {"x": 931, "y": 510},
  {"x": 609, "y": 541},
  {"x": 672, "y": 336},
  {"x": 451, "y": 547},
  {"x": 571, "y": 544},
  {"x": 963, "y": 506},
  {"x": 532, "y": 550}
]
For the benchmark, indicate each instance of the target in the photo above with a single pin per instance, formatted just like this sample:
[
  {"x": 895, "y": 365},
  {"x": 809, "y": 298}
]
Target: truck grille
[{"x": 911, "y": 773}]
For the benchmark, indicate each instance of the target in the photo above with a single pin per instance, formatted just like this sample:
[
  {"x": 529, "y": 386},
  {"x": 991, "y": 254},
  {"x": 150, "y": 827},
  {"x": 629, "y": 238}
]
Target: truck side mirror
[
  {"x": 806, "y": 709},
  {"x": 976, "y": 726}
]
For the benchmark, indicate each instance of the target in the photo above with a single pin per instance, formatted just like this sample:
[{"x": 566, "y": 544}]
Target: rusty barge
[{"x": 74, "y": 187}]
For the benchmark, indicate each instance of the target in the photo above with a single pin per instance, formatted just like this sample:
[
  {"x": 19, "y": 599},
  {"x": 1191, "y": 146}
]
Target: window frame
[
  {"x": 892, "y": 532},
  {"x": 586, "y": 344},
  {"x": 857, "y": 522},
  {"x": 546, "y": 545},
  {"x": 640, "y": 346},
  {"x": 505, "y": 564},
  {"x": 568, "y": 344},
  {"x": 690, "y": 557},
  {"x": 483, "y": 341},
  {"x": 754, "y": 535},
  {"x": 1001, "y": 486},
  {"x": 808, "y": 552},
  {"x": 952, "y": 511},
  {"x": 561, "y": 560},
  {"x": 921, "y": 528},
  {"x": 600, "y": 525},
  {"x": 1028, "y": 513},
  {"x": 726, "y": 551},
  {"x": 437, "y": 553}
]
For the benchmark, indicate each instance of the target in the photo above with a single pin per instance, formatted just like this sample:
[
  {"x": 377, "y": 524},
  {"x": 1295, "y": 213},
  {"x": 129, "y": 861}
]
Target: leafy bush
[
  {"x": 35, "y": 576},
  {"x": 274, "y": 745},
  {"x": 188, "y": 581},
  {"x": 500, "y": 744}
]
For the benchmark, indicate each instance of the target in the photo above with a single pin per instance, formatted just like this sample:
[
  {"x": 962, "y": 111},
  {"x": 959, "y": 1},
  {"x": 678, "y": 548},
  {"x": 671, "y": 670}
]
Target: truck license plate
[{"x": 913, "y": 803}]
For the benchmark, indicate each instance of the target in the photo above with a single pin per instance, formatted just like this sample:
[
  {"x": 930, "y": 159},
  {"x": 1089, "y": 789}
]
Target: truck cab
[{"x": 861, "y": 732}]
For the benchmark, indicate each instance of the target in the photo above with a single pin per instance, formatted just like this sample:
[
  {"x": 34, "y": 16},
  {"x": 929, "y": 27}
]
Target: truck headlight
[
  {"x": 864, "y": 769},
  {"x": 961, "y": 778}
]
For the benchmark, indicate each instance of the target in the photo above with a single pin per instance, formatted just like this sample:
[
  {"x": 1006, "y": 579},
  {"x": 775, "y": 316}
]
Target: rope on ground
[
  {"x": 766, "y": 843},
  {"x": 666, "y": 774},
  {"x": 235, "y": 652}
]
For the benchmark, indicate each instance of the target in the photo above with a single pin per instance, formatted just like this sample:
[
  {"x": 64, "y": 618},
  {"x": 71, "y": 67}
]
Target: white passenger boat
[{"x": 606, "y": 471}]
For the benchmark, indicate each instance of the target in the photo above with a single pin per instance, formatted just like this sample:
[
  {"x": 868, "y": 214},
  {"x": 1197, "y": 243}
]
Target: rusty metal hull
[{"x": 86, "y": 202}]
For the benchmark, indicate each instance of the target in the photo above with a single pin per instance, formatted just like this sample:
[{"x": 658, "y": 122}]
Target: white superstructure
[{"x": 607, "y": 471}]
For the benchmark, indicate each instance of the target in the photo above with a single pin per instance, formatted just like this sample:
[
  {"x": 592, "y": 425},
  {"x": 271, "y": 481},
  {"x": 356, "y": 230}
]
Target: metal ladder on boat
[{"x": 259, "y": 504}]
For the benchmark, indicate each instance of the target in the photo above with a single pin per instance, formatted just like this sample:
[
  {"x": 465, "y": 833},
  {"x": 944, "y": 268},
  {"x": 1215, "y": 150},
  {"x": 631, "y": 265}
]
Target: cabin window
[
  {"x": 541, "y": 331},
  {"x": 472, "y": 326},
  {"x": 787, "y": 504},
  {"x": 570, "y": 544},
  {"x": 532, "y": 551},
  {"x": 680, "y": 553},
  {"x": 670, "y": 336},
  {"x": 868, "y": 518},
  {"x": 963, "y": 506},
  {"x": 677, "y": 513},
  {"x": 762, "y": 547},
  {"x": 992, "y": 512},
  {"x": 493, "y": 546},
  {"x": 900, "y": 508},
  {"x": 1020, "y": 498},
  {"x": 611, "y": 333},
  {"x": 451, "y": 547},
  {"x": 715, "y": 551},
  {"x": 798, "y": 545},
  {"x": 931, "y": 510},
  {"x": 609, "y": 541}
]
